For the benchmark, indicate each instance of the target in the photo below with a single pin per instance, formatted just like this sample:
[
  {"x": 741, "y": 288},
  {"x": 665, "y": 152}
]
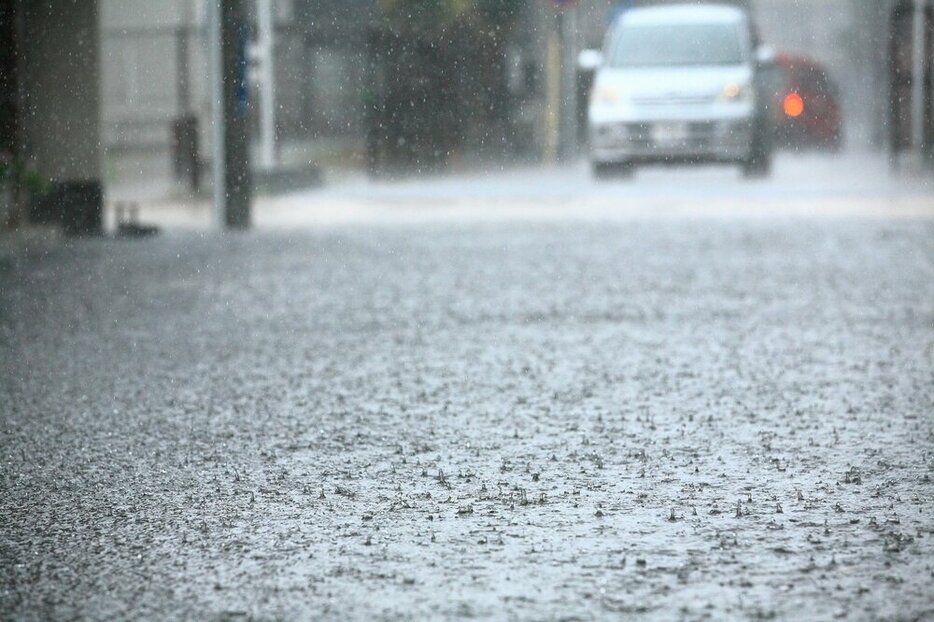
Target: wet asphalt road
[{"x": 664, "y": 418}]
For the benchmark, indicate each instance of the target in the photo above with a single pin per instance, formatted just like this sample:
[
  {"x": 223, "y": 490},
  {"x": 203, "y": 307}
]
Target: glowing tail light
[{"x": 793, "y": 105}]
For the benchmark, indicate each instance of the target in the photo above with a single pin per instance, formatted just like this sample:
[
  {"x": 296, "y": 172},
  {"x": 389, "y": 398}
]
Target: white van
[{"x": 675, "y": 84}]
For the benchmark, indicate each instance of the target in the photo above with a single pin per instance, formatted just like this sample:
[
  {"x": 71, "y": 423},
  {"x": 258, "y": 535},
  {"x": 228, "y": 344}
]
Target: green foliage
[{"x": 19, "y": 175}]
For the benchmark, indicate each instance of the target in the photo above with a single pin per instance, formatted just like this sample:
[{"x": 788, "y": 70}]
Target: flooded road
[{"x": 686, "y": 417}]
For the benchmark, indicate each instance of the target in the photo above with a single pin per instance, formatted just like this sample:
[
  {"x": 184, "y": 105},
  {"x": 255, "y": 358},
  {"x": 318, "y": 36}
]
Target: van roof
[{"x": 682, "y": 14}]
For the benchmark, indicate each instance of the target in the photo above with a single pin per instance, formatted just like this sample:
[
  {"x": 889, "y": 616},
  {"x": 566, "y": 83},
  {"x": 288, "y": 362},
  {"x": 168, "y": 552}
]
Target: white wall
[{"x": 132, "y": 14}]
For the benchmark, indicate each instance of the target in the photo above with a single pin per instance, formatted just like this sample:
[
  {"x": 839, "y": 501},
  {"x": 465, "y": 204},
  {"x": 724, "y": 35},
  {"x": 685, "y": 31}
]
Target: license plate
[{"x": 669, "y": 133}]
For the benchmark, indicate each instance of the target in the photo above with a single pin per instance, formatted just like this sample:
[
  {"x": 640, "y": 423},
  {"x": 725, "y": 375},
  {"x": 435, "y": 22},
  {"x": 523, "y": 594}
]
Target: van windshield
[{"x": 659, "y": 45}]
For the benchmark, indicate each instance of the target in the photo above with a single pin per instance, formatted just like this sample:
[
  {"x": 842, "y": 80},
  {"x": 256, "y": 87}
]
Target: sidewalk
[{"x": 803, "y": 186}]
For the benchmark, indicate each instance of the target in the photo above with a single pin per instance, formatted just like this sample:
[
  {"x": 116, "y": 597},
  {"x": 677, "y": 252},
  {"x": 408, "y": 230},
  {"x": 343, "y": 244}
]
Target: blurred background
[{"x": 109, "y": 102}]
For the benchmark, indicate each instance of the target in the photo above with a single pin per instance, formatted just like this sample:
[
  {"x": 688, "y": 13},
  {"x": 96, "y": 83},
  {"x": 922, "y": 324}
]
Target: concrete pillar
[
  {"x": 60, "y": 109},
  {"x": 918, "y": 70}
]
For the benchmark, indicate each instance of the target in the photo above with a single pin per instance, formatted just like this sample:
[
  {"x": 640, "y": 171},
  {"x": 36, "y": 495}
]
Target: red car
[{"x": 803, "y": 104}]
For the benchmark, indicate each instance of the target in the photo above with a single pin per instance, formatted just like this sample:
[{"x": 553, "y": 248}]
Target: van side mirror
[
  {"x": 765, "y": 56},
  {"x": 589, "y": 60}
]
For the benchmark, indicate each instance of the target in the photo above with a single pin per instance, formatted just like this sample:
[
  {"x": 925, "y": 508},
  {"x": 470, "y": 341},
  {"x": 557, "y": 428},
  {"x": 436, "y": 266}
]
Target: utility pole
[
  {"x": 267, "y": 83},
  {"x": 552, "y": 138},
  {"x": 561, "y": 83},
  {"x": 230, "y": 113},
  {"x": 918, "y": 47},
  {"x": 181, "y": 62},
  {"x": 568, "y": 19}
]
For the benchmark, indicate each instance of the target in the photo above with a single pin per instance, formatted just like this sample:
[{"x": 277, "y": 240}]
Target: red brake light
[{"x": 793, "y": 105}]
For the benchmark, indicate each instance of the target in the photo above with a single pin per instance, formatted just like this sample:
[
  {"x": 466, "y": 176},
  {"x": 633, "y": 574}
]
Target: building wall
[
  {"x": 146, "y": 48},
  {"x": 60, "y": 87},
  {"x": 323, "y": 73},
  {"x": 50, "y": 114},
  {"x": 9, "y": 55},
  {"x": 151, "y": 49},
  {"x": 132, "y": 14}
]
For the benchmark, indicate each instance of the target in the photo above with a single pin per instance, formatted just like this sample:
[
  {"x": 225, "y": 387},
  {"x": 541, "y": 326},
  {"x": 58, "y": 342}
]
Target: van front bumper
[{"x": 672, "y": 141}]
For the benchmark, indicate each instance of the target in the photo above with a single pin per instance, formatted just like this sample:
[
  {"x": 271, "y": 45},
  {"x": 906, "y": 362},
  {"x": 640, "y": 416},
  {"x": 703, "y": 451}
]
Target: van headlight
[
  {"x": 606, "y": 95},
  {"x": 737, "y": 92}
]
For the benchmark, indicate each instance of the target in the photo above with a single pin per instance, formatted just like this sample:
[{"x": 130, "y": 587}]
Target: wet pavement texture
[{"x": 673, "y": 419}]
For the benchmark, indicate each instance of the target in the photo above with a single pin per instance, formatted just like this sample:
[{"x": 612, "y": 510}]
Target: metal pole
[
  {"x": 929, "y": 129},
  {"x": 917, "y": 79},
  {"x": 217, "y": 110},
  {"x": 230, "y": 118},
  {"x": 267, "y": 100}
]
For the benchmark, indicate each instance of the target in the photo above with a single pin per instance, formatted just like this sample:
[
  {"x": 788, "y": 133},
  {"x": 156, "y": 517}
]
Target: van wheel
[
  {"x": 611, "y": 170},
  {"x": 756, "y": 169},
  {"x": 835, "y": 144},
  {"x": 757, "y": 166},
  {"x": 759, "y": 163}
]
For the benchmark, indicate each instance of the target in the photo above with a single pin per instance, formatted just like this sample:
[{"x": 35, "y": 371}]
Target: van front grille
[{"x": 678, "y": 99}]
